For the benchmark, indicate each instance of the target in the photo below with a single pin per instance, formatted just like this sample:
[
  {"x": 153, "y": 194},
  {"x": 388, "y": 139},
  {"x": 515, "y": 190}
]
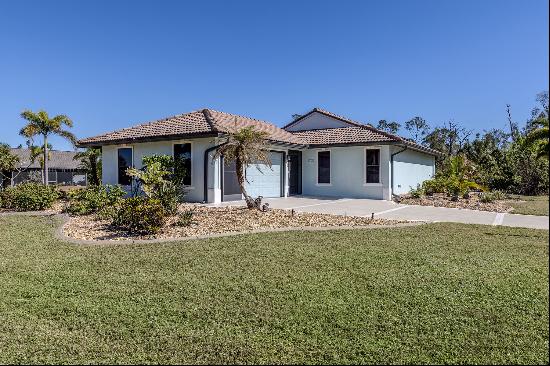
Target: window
[
  {"x": 182, "y": 158},
  {"x": 124, "y": 162},
  {"x": 323, "y": 167},
  {"x": 373, "y": 166}
]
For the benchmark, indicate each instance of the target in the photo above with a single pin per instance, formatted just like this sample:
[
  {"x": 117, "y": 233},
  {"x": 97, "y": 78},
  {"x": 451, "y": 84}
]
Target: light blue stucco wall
[
  {"x": 198, "y": 146},
  {"x": 347, "y": 165},
  {"x": 410, "y": 169}
]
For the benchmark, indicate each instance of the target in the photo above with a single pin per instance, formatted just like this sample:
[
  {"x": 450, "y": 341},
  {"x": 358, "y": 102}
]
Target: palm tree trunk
[
  {"x": 46, "y": 159},
  {"x": 240, "y": 178}
]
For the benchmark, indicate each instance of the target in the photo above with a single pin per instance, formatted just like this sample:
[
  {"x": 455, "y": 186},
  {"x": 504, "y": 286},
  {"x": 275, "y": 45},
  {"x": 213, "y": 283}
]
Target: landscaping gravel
[
  {"x": 472, "y": 203},
  {"x": 217, "y": 220}
]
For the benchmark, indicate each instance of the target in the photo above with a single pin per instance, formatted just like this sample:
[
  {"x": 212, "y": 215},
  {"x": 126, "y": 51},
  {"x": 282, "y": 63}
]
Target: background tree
[
  {"x": 11, "y": 165},
  {"x": 40, "y": 124},
  {"x": 538, "y": 137},
  {"x": 391, "y": 127},
  {"x": 449, "y": 139},
  {"x": 245, "y": 147},
  {"x": 8, "y": 163},
  {"x": 418, "y": 128},
  {"x": 90, "y": 160}
]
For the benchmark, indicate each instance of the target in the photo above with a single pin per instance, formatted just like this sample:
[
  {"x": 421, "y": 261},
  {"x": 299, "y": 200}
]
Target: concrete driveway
[{"x": 392, "y": 210}]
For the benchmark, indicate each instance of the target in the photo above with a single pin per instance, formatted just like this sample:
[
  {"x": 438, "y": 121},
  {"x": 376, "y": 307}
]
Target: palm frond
[{"x": 67, "y": 135}]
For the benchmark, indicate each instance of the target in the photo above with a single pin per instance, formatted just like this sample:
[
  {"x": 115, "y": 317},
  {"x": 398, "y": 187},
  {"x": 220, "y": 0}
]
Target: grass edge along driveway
[{"x": 439, "y": 293}]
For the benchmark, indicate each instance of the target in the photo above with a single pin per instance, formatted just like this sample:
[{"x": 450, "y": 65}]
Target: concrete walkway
[{"x": 392, "y": 210}]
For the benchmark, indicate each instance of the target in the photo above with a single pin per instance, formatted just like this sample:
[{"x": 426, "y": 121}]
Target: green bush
[
  {"x": 185, "y": 218},
  {"x": 140, "y": 215},
  {"x": 157, "y": 179},
  {"x": 487, "y": 197},
  {"x": 95, "y": 199},
  {"x": 436, "y": 185},
  {"x": 416, "y": 192},
  {"x": 29, "y": 197}
]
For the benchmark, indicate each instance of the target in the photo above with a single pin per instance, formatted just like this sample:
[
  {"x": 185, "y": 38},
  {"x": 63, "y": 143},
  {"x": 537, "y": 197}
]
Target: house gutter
[
  {"x": 206, "y": 152},
  {"x": 392, "y": 170}
]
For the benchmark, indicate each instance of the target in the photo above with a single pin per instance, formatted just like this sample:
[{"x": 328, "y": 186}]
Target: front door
[{"x": 295, "y": 174}]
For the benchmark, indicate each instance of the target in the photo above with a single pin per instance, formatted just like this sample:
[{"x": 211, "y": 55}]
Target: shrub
[
  {"x": 160, "y": 179},
  {"x": 185, "y": 218},
  {"x": 436, "y": 185},
  {"x": 96, "y": 199},
  {"x": 140, "y": 215},
  {"x": 29, "y": 197},
  {"x": 416, "y": 192},
  {"x": 487, "y": 197}
]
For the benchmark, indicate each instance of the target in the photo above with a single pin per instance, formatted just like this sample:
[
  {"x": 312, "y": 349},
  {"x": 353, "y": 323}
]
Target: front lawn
[
  {"x": 440, "y": 293},
  {"x": 530, "y": 205}
]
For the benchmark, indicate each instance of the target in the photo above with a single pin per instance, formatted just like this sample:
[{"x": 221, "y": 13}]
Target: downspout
[
  {"x": 392, "y": 170},
  {"x": 206, "y": 152}
]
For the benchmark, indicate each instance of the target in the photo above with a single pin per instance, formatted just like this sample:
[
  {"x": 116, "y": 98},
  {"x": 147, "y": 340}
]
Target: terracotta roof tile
[
  {"x": 208, "y": 121},
  {"x": 230, "y": 123},
  {"x": 205, "y": 121},
  {"x": 182, "y": 124},
  {"x": 342, "y": 135},
  {"x": 356, "y": 135}
]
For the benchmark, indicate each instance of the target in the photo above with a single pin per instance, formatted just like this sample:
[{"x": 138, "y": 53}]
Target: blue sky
[{"x": 112, "y": 64}]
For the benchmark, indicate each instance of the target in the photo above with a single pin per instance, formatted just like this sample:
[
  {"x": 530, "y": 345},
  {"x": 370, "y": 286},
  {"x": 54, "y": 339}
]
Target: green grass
[
  {"x": 530, "y": 205},
  {"x": 441, "y": 293}
]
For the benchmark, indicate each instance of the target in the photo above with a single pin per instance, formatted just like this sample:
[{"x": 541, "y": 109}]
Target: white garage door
[{"x": 263, "y": 180}]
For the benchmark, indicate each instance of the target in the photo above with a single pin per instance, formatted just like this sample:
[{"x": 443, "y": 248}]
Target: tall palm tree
[
  {"x": 539, "y": 137},
  {"x": 40, "y": 124},
  {"x": 245, "y": 147},
  {"x": 91, "y": 161}
]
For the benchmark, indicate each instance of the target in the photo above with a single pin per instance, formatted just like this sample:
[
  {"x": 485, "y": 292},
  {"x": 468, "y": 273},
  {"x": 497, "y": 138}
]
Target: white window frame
[
  {"x": 317, "y": 169},
  {"x": 179, "y": 142},
  {"x": 117, "y": 167},
  {"x": 365, "y": 184}
]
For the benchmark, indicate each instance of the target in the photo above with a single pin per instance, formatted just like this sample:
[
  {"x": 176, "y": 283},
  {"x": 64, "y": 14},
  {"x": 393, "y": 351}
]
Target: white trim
[
  {"x": 117, "y": 167},
  {"x": 181, "y": 142},
  {"x": 317, "y": 168},
  {"x": 390, "y": 210},
  {"x": 365, "y": 184}
]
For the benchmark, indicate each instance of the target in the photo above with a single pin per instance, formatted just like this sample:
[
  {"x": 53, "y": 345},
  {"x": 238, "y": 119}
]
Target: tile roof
[
  {"x": 229, "y": 123},
  {"x": 356, "y": 135},
  {"x": 208, "y": 122},
  {"x": 203, "y": 122},
  {"x": 341, "y": 135},
  {"x": 182, "y": 124},
  {"x": 57, "y": 159}
]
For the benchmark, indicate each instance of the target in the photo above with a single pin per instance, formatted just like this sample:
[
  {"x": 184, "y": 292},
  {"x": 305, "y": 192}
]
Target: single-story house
[
  {"x": 63, "y": 169},
  {"x": 317, "y": 154}
]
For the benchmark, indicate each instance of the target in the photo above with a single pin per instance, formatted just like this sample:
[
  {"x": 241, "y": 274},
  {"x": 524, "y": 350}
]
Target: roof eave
[
  {"x": 376, "y": 143},
  {"x": 82, "y": 143}
]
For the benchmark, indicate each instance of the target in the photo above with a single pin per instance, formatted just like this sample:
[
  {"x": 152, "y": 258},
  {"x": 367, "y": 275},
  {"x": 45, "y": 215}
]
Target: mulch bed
[
  {"x": 472, "y": 203},
  {"x": 217, "y": 220}
]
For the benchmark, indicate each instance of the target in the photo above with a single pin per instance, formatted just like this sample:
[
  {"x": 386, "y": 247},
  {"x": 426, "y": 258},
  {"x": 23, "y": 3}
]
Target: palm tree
[
  {"x": 37, "y": 152},
  {"x": 40, "y": 123},
  {"x": 91, "y": 160},
  {"x": 245, "y": 147},
  {"x": 539, "y": 137}
]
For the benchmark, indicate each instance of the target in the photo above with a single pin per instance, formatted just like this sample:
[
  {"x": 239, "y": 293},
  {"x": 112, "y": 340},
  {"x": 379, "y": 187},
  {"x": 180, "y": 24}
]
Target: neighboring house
[
  {"x": 318, "y": 154},
  {"x": 63, "y": 168}
]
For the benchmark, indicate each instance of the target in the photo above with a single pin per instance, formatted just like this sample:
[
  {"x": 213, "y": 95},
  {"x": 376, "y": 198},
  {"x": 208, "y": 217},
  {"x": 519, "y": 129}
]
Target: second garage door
[{"x": 265, "y": 181}]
